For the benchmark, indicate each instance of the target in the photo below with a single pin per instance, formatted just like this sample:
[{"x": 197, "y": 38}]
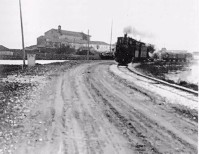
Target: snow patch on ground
[
  {"x": 20, "y": 62},
  {"x": 170, "y": 94}
]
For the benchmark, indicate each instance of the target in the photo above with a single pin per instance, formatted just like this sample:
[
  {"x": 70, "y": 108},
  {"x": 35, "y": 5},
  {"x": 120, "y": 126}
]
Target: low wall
[{"x": 47, "y": 56}]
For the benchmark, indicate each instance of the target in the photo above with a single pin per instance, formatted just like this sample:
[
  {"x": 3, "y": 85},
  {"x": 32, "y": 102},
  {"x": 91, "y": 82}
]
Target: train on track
[{"x": 130, "y": 50}]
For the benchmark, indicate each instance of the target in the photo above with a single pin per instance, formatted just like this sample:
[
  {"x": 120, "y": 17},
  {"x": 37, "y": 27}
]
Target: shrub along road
[{"x": 88, "y": 109}]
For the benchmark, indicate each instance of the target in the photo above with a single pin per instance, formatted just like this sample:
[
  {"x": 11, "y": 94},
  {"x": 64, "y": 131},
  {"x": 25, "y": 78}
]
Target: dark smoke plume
[
  {"x": 135, "y": 32},
  {"x": 127, "y": 30}
]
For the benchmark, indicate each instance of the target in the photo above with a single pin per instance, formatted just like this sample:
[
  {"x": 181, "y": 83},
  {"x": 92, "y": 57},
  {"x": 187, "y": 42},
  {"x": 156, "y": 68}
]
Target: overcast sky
[{"x": 166, "y": 23}]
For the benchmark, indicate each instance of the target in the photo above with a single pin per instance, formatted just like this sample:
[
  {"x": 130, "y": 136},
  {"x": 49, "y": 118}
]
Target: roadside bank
[{"x": 175, "y": 73}]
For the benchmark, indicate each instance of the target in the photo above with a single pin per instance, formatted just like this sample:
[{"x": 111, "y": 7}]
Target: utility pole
[
  {"x": 111, "y": 35},
  {"x": 88, "y": 47},
  {"x": 22, "y": 35}
]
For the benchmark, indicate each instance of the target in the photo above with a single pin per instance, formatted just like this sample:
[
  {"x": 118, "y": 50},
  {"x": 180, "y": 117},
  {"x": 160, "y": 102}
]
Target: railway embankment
[{"x": 177, "y": 73}]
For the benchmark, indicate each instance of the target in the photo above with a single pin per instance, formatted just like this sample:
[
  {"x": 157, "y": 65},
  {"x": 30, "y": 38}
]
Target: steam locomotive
[{"x": 130, "y": 50}]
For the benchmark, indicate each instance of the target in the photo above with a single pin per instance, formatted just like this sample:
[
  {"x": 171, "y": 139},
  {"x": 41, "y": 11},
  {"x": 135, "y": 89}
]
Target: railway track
[
  {"x": 168, "y": 93},
  {"x": 130, "y": 69}
]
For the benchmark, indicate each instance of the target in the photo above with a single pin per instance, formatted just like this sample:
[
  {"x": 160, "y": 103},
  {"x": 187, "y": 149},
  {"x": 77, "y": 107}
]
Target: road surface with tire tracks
[{"x": 89, "y": 109}]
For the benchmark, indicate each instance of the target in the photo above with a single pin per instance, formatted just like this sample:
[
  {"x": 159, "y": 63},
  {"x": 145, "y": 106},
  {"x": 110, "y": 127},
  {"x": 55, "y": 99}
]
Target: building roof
[
  {"x": 98, "y": 43},
  {"x": 70, "y": 33},
  {"x": 32, "y": 47},
  {"x": 2, "y": 48},
  {"x": 41, "y": 36}
]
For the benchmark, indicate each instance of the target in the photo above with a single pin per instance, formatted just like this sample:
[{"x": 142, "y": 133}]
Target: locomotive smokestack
[{"x": 125, "y": 35}]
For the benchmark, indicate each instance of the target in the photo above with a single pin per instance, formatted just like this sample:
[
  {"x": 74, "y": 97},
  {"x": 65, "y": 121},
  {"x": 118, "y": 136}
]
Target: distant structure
[
  {"x": 100, "y": 46},
  {"x": 196, "y": 55},
  {"x": 2, "y": 48},
  {"x": 174, "y": 55},
  {"x": 5, "y": 51},
  {"x": 164, "y": 51},
  {"x": 56, "y": 38},
  {"x": 173, "y": 51}
]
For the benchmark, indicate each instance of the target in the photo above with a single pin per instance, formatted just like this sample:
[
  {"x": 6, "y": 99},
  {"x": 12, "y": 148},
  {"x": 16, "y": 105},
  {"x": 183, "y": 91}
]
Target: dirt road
[{"x": 88, "y": 109}]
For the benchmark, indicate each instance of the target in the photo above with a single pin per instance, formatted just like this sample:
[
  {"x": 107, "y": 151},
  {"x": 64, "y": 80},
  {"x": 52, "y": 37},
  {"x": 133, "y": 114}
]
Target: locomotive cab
[
  {"x": 124, "y": 53},
  {"x": 128, "y": 50}
]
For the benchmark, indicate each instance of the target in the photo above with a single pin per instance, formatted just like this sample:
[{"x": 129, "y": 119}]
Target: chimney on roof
[{"x": 59, "y": 29}]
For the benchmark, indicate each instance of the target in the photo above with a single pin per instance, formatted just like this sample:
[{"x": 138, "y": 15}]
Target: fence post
[{"x": 31, "y": 60}]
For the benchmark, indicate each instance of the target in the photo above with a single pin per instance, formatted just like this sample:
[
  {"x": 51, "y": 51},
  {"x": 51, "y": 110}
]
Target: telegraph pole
[
  {"x": 111, "y": 34},
  {"x": 22, "y": 34},
  {"x": 88, "y": 47}
]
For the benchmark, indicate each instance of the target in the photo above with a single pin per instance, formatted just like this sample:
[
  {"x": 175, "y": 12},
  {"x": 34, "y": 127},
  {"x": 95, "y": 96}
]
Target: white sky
[{"x": 172, "y": 23}]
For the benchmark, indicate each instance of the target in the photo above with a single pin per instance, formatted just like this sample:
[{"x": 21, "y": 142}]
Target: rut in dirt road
[
  {"x": 161, "y": 132},
  {"x": 87, "y": 109}
]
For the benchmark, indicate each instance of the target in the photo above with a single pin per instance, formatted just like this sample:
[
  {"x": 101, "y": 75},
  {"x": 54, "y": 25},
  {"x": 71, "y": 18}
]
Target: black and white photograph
[{"x": 99, "y": 76}]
